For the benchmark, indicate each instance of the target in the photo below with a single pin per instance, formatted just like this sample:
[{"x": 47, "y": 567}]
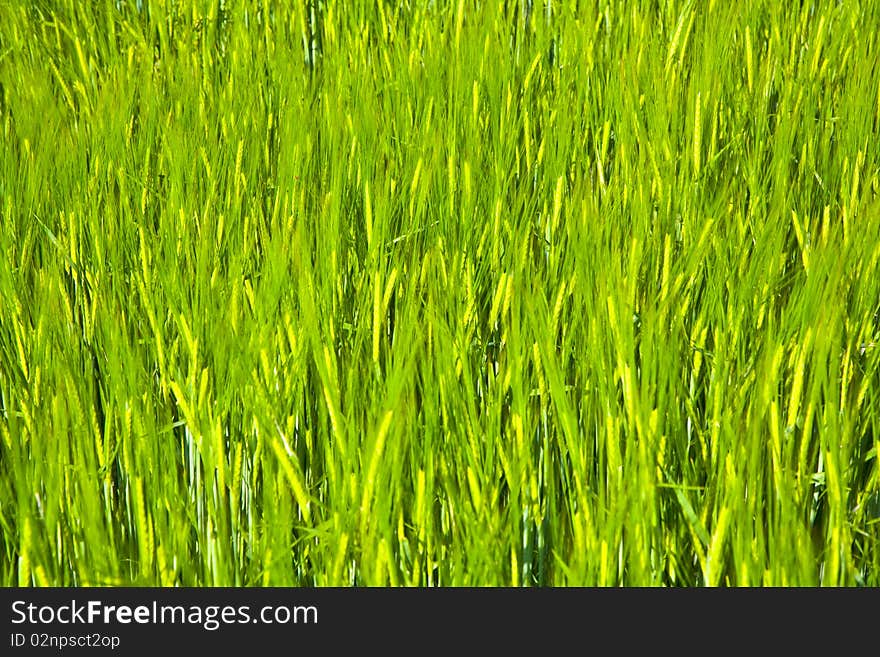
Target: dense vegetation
[{"x": 439, "y": 293}]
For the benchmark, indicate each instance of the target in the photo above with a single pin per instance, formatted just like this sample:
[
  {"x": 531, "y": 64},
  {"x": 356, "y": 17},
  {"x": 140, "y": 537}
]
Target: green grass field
[{"x": 439, "y": 293}]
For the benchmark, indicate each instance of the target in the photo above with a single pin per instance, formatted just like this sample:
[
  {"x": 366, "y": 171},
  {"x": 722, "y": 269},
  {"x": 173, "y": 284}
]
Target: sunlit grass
[{"x": 428, "y": 293}]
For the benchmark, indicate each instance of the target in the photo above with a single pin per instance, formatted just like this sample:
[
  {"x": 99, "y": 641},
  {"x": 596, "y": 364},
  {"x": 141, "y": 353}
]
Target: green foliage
[{"x": 427, "y": 293}]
